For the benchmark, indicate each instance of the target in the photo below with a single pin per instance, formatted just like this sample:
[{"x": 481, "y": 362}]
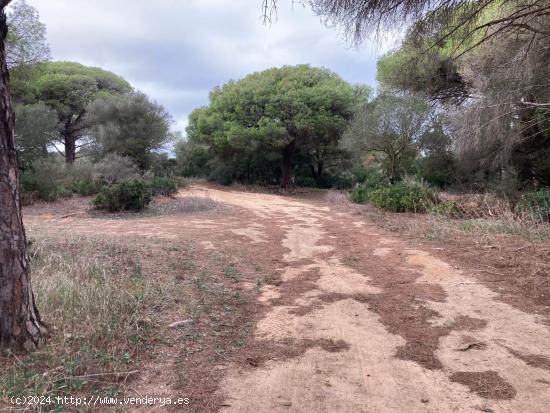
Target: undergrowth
[{"x": 102, "y": 310}]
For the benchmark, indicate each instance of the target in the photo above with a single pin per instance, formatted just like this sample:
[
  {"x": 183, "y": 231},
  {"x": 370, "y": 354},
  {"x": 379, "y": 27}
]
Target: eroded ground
[{"x": 346, "y": 317}]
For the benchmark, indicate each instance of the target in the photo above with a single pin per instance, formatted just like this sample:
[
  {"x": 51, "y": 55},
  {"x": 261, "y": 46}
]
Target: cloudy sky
[{"x": 178, "y": 50}]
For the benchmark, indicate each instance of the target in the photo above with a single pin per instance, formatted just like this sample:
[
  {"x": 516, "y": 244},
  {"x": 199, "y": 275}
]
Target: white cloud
[{"x": 178, "y": 50}]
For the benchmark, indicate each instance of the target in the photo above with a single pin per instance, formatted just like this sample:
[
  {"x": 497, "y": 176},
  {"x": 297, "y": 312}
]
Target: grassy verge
[
  {"x": 100, "y": 308},
  {"x": 107, "y": 304}
]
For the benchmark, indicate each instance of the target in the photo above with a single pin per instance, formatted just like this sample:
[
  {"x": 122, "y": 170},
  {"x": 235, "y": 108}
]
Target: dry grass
[
  {"x": 102, "y": 311},
  {"x": 190, "y": 203},
  {"x": 337, "y": 198},
  {"x": 185, "y": 205},
  {"x": 108, "y": 305},
  {"x": 510, "y": 252}
]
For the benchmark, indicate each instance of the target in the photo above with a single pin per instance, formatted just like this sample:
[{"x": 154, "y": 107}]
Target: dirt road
[{"x": 358, "y": 320}]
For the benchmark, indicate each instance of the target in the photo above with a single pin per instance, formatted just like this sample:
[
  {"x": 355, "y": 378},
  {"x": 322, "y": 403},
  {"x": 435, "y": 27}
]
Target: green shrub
[
  {"x": 115, "y": 168},
  {"x": 373, "y": 179},
  {"x": 446, "y": 208},
  {"x": 360, "y": 194},
  {"x": 305, "y": 182},
  {"x": 221, "y": 173},
  {"x": 80, "y": 178},
  {"x": 406, "y": 196},
  {"x": 335, "y": 181},
  {"x": 536, "y": 205},
  {"x": 132, "y": 194},
  {"x": 163, "y": 186},
  {"x": 85, "y": 187},
  {"x": 46, "y": 178}
]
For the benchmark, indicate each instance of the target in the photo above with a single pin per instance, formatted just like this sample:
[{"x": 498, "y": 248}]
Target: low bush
[
  {"x": 46, "y": 179},
  {"x": 163, "y": 186},
  {"x": 80, "y": 178},
  {"x": 115, "y": 168},
  {"x": 85, "y": 187},
  {"x": 128, "y": 195},
  {"x": 221, "y": 173},
  {"x": 373, "y": 179},
  {"x": 406, "y": 196},
  {"x": 446, "y": 208},
  {"x": 359, "y": 194},
  {"x": 536, "y": 205},
  {"x": 305, "y": 182}
]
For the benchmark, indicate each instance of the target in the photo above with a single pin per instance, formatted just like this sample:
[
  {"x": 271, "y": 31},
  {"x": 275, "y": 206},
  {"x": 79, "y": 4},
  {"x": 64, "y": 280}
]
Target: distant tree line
[
  {"x": 483, "y": 67},
  {"x": 73, "y": 122}
]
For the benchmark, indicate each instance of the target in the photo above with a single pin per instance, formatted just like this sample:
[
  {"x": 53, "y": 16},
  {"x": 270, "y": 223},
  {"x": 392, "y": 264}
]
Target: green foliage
[
  {"x": 428, "y": 60},
  {"x": 46, "y": 178},
  {"x": 66, "y": 88},
  {"x": 390, "y": 127},
  {"x": 80, "y": 178},
  {"x": 114, "y": 168},
  {"x": 128, "y": 195},
  {"x": 222, "y": 172},
  {"x": 446, "y": 208},
  {"x": 444, "y": 57},
  {"x": 372, "y": 179},
  {"x": 192, "y": 159},
  {"x": 163, "y": 186},
  {"x": 359, "y": 195},
  {"x": 35, "y": 127},
  {"x": 276, "y": 116},
  {"x": 536, "y": 205},
  {"x": 26, "y": 42},
  {"x": 161, "y": 164},
  {"x": 406, "y": 196},
  {"x": 435, "y": 164},
  {"x": 131, "y": 125},
  {"x": 50, "y": 178},
  {"x": 435, "y": 74},
  {"x": 85, "y": 187},
  {"x": 305, "y": 182}
]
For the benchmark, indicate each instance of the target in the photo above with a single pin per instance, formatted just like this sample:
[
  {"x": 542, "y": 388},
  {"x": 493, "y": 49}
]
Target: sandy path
[
  {"x": 410, "y": 332},
  {"x": 498, "y": 363}
]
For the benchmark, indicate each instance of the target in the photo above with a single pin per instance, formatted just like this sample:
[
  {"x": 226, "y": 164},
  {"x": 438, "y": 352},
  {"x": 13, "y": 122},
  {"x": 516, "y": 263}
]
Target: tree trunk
[
  {"x": 317, "y": 170},
  {"x": 20, "y": 325},
  {"x": 286, "y": 167},
  {"x": 70, "y": 147}
]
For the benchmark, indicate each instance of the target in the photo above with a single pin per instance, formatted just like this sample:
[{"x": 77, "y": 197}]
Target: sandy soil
[{"x": 360, "y": 320}]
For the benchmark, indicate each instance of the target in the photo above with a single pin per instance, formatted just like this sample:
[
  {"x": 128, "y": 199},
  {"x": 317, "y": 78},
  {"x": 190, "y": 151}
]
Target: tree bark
[
  {"x": 70, "y": 148},
  {"x": 72, "y": 132},
  {"x": 317, "y": 170},
  {"x": 286, "y": 167},
  {"x": 20, "y": 324}
]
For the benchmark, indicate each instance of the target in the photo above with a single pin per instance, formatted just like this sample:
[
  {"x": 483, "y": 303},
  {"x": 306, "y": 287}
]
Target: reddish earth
[{"x": 349, "y": 317}]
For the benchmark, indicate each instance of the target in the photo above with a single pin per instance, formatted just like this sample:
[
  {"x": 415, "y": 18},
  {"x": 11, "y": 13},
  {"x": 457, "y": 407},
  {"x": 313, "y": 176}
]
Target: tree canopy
[
  {"x": 278, "y": 113},
  {"x": 499, "y": 82},
  {"x": 26, "y": 42},
  {"x": 130, "y": 125},
  {"x": 36, "y": 127},
  {"x": 68, "y": 88},
  {"x": 391, "y": 126}
]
